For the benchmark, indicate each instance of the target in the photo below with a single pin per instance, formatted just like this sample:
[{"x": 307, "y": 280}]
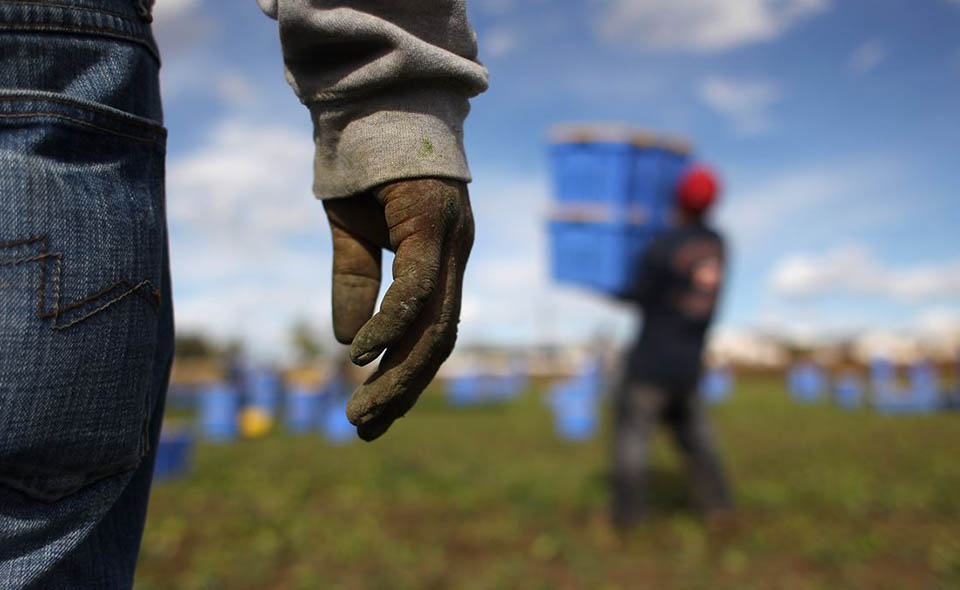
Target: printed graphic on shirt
[
  {"x": 700, "y": 264},
  {"x": 708, "y": 275}
]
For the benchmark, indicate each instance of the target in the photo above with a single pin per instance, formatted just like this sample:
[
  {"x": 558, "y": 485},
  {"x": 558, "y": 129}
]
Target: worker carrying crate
[
  {"x": 614, "y": 192},
  {"x": 630, "y": 221}
]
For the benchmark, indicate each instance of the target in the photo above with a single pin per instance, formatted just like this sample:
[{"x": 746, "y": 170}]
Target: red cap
[{"x": 697, "y": 189}]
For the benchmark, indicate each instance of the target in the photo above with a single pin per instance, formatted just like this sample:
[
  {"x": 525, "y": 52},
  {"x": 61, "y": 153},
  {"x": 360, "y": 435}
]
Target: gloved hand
[{"x": 429, "y": 224}]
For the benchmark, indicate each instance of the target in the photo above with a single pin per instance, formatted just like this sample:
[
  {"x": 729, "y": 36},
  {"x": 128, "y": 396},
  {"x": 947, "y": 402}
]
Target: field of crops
[{"x": 488, "y": 498}]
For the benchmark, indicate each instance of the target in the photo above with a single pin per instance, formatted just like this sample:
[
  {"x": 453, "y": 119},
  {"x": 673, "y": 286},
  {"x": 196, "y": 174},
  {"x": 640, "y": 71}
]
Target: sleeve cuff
[{"x": 411, "y": 133}]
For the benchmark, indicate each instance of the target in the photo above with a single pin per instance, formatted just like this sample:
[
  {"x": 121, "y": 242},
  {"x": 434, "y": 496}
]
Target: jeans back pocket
[{"x": 82, "y": 241}]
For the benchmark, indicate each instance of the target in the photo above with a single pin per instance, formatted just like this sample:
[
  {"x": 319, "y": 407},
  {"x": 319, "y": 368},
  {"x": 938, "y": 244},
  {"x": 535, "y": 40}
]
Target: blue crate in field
[
  {"x": 921, "y": 397},
  {"x": 303, "y": 408},
  {"x": 848, "y": 391},
  {"x": 883, "y": 373},
  {"x": 575, "y": 403},
  {"x": 924, "y": 377},
  {"x": 263, "y": 390},
  {"x": 716, "y": 385},
  {"x": 576, "y": 419},
  {"x": 333, "y": 412},
  {"x": 613, "y": 193},
  {"x": 907, "y": 402},
  {"x": 336, "y": 428},
  {"x": 807, "y": 382},
  {"x": 218, "y": 414},
  {"x": 465, "y": 390},
  {"x": 173, "y": 455},
  {"x": 575, "y": 412},
  {"x": 479, "y": 387}
]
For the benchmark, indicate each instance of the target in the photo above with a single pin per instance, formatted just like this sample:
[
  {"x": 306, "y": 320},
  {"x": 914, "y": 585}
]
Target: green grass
[{"x": 489, "y": 498}]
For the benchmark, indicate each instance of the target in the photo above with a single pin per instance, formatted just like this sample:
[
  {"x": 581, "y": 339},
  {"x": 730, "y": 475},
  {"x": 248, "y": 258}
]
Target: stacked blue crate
[
  {"x": 333, "y": 415},
  {"x": 613, "y": 194},
  {"x": 953, "y": 396},
  {"x": 263, "y": 387},
  {"x": 922, "y": 396},
  {"x": 883, "y": 379},
  {"x": 848, "y": 391},
  {"x": 303, "y": 407},
  {"x": 925, "y": 387},
  {"x": 465, "y": 390},
  {"x": 575, "y": 404},
  {"x": 218, "y": 414},
  {"x": 173, "y": 454},
  {"x": 716, "y": 385},
  {"x": 807, "y": 382},
  {"x": 477, "y": 387}
]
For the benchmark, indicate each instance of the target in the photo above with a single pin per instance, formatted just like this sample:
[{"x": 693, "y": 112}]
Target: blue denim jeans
[{"x": 86, "y": 325}]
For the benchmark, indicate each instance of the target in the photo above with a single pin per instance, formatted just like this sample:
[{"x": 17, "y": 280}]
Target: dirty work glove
[{"x": 428, "y": 223}]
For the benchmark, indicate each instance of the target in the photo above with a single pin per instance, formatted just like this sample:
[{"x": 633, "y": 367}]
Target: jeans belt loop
[{"x": 144, "y": 8}]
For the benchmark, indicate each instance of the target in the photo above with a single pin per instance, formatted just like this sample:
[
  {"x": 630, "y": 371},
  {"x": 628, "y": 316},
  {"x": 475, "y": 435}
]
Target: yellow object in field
[{"x": 255, "y": 422}]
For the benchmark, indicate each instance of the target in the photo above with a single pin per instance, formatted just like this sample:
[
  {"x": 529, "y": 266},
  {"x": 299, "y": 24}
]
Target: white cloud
[
  {"x": 236, "y": 89},
  {"x": 855, "y": 270},
  {"x": 701, "y": 25},
  {"x": 247, "y": 180},
  {"x": 498, "y": 42},
  {"x": 249, "y": 242},
  {"x": 180, "y": 27},
  {"x": 746, "y": 103},
  {"x": 165, "y": 11},
  {"x": 810, "y": 202},
  {"x": 868, "y": 56},
  {"x": 938, "y": 321}
]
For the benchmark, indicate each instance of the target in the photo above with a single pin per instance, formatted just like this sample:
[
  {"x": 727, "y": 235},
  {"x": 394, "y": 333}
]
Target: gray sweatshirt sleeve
[{"x": 386, "y": 83}]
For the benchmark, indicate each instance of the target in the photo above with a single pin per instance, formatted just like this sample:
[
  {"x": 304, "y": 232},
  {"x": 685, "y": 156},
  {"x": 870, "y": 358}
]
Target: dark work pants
[{"x": 638, "y": 408}]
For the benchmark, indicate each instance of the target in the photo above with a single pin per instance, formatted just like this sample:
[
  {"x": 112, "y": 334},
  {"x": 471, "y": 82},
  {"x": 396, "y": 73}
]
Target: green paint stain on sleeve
[{"x": 426, "y": 147}]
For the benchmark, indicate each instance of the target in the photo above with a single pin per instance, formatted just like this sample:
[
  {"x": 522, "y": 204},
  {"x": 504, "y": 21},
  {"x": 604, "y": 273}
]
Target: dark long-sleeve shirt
[{"x": 678, "y": 283}]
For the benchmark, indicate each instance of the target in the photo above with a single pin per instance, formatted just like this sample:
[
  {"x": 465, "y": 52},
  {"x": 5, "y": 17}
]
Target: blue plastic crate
[
  {"x": 575, "y": 403},
  {"x": 883, "y": 374},
  {"x": 611, "y": 198},
  {"x": 574, "y": 406},
  {"x": 336, "y": 428},
  {"x": 220, "y": 403},
  {"x": 807, "y": 382},
  {"x": 593, "y": 172},
  {"x": 263, "y": 390},
  {"x": 599, "y": 256},
  {"x": 464, "y": 390},
  {"x": 303, "y": 408},
  {"x": 716, "y": 385},
  {"x": 174, "y": 450},
  {"x": 333, "y": 412},
  {"x": 576, "y": 419},
  {"x": 848, "y": 391},
  {"x": 473, "y": 389},
  {"x": 907, "y": 402}
]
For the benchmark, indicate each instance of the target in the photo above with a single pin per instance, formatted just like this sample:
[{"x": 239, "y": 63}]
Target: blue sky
[{"x": 834, "y": 124}]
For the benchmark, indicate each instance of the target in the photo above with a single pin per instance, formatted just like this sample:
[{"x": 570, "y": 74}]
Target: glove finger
[
  {"x": 416, "y": 273},
  {"x": 410, "y": 364},
  {"x": 356, "y": 282}
]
